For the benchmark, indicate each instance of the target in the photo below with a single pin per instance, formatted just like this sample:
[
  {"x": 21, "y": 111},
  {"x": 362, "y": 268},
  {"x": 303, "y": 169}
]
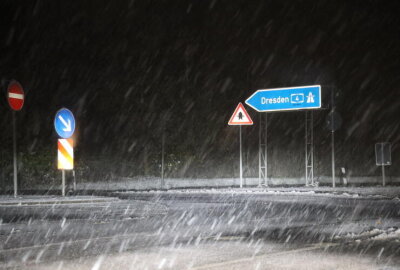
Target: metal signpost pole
[
  {"x": 306, "y": 144},
  {"x": 333, "y": 138},
  {"x": 383, "y": 165},
  {"x": 63, "y": 183},
  {"x": 73, "y": 174},
  {"x": 162, "y": 159},
  {"x": 15, "y": 155},
  {"x": 312, "y": 146},
  {"x": 240, "y": 148},
  {"x": 263, "y": 151},
  {"x": 259, "y": 152},
  {"x": 309, "y": 151},
  {"x": 266, "y": 151},
  {"x": 333, "y": 159}
]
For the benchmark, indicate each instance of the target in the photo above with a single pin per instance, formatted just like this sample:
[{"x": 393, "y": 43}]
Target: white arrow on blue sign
[
  {"x": 64, "y": 123},
  {"x": 286, "y": 99}
]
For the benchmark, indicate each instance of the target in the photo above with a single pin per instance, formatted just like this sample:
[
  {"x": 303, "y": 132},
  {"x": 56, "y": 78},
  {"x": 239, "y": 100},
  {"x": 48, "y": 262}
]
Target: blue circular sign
[{"x": 64, "y": 123}]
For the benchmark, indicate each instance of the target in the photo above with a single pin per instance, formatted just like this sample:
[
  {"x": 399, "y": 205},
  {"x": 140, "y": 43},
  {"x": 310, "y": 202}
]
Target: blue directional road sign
[
  {"x": 64, "y": 123},
  {"x": 286, "y": 99}
]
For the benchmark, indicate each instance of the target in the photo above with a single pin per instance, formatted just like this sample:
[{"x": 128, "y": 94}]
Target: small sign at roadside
[
  {"x": 240, "y": 117},
  {"x": 64, "y": 123},
  {"x": 15, "y": 96},
  {"x": 383, "y": 155}
]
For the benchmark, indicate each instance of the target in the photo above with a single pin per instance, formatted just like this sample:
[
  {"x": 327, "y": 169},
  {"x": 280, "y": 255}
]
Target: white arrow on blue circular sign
[{"x": 64, "y": 123}]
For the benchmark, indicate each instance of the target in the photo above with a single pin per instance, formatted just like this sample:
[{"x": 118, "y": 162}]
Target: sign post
[
  {"x": 64, "y": 123},
  {"x": 240, "y": 117},
  {"x": 383, "y": 157},
  {"x": 289, "y": 99},
  {"x": 162, "y": 159},
  {"x": 74, "y": 176},
  {"x": 15, "y": 162},
  {"x": 333, "y": 122},
  {"x": 15, "y": 97},
  {"x": 240, "y": 157}
]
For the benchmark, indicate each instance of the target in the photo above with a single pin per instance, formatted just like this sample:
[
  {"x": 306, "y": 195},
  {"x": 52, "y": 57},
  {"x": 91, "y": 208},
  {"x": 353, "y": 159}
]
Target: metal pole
[
  {"x": 333, "y": 137},
  {"x": 162, "y": 159},
  {"x": 240, "y": 160},
  {"x": 306, "y": 144},
  {"x": 263, "y": 151},
  {"x": 312, "y": 146},
  {"x": 73, "y": 174},
  {"x": 63, "y": 183},
  {"x": 266, "y": 150},
  {"x": 15, "y": 155},
  {"x": 333, "y": 159},
  {"x": 383, "y": 166},
  {"x": 259, "y": 153}
]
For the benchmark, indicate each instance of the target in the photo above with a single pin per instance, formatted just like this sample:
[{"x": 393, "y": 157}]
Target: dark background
[{"x": 129, "y": 69}]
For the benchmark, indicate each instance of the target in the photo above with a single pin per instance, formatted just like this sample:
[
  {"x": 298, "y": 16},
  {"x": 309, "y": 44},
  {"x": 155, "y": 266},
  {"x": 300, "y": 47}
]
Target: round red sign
[{"x": 15, "y": 96}]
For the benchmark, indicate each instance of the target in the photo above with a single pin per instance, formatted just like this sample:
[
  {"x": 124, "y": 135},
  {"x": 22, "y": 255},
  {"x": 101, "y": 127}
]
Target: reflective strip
[
  {"x": 63, "y": 163},
  {"x": 67, "y": 144},
  {"x": 65, "y": 154},
  {"x": 15, "y": 95}
]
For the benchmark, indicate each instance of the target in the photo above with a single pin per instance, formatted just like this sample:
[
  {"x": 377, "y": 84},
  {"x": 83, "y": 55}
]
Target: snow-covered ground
[
  {"x": 36, "y": 200},
  {"x": 223, "y": 255},
  {"x": 392, "y": 192},
  {"x": 392, "y": 233},
  {"x": 148, "y": 182}
]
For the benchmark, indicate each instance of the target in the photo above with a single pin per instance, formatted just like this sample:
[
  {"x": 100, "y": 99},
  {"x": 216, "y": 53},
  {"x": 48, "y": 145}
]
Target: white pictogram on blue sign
[
  {"x": 310, "y": 98},
  {"x": 297, "y": 98}
]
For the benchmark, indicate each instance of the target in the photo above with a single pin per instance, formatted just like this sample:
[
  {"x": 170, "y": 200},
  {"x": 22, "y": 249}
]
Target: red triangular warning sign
[{"x": 240, "y": 117}]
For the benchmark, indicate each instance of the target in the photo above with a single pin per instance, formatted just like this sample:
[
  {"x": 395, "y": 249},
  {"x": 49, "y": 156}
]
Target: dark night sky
[{"x": 126, "y": 67}]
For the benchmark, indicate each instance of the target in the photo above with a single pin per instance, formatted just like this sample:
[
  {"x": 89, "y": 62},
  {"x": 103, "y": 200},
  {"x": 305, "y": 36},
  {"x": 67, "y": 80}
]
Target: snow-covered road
[{"x": 184, "y": 230}]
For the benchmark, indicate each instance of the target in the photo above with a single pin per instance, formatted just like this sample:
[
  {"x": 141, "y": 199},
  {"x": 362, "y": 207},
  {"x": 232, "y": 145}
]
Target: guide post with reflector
[
  {"x": 65, "y": 158},
  {"x": 65, "y": 154}
]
